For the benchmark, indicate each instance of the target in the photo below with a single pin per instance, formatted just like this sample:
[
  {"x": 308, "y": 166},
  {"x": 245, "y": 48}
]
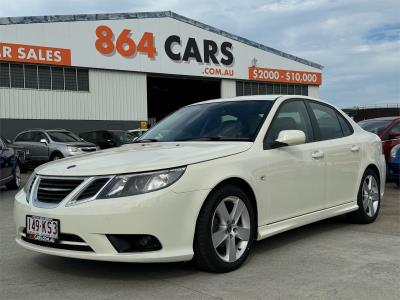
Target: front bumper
[{"x": 168, "y": 216}]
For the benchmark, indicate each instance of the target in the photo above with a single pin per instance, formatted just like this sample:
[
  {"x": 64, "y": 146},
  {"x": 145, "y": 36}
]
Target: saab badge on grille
[{"x": 72, "y": 166}]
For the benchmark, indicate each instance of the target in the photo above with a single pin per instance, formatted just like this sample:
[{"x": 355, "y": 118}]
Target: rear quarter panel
[{"x": 372, "y": 155}]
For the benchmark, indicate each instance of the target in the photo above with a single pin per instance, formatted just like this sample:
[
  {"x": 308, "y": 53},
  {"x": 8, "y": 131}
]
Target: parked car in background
[
  {"x": 137, "y": 132},
  {"x": 108, "y": 138},
  {"x": 23, "y": 155},
  {"x": 10, "y": 173},
  {"x": 394, "y": 165},
  {"x": 387, "y": 128},
  {"x": 205, "y": 183},
  {"x": 46, "y": 145}
]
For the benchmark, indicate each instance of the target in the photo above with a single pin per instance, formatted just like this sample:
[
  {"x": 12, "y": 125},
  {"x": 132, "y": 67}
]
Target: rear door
[
  {"x": 25, "y": 140},
  {"x": 341, "y": 151}
]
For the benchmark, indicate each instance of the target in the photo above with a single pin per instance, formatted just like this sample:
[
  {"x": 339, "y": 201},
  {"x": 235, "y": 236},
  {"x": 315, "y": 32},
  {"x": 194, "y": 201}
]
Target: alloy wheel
[
  {"x": 370, "y": 195},
  {"x": 230, "y": 230}
]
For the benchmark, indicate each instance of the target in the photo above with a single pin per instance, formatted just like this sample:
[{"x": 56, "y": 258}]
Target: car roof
[{"x": 261, "y": 98}]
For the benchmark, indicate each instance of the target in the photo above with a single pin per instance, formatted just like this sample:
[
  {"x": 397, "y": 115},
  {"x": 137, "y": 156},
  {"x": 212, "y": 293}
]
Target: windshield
[
  {"x": 377, "y": 126},
  {"x": 63, "y": 136},
  {"x": 124, "y": 137},
  {"x": 216, "y": 121}
]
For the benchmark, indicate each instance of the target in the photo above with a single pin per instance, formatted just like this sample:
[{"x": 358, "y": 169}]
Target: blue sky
[{"x": 358, "y": 41}]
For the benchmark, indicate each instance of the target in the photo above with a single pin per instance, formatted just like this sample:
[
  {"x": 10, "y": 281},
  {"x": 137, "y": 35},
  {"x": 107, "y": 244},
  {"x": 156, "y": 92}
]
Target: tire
[
  {"x": 15, "y": 183},
  {"x": 368, "y": 199},
  {"x": 56, "y": 156},
  {"x": 236, "y": 231}
]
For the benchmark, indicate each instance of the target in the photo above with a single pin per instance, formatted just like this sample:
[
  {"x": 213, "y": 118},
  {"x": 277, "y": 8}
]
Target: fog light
[{"x": 125, "y": 243}]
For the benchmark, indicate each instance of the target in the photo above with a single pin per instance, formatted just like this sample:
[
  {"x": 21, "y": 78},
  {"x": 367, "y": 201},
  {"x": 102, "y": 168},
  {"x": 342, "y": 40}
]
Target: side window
[
  {"x": 37, "y": 136},
  {"x": 395, "y": 131},
  {"x": 328, "y": 123},
  {"x": 290, "y": 116},
  {"x": 24, "y": 137},
  {"x": 346, "y": 127}
]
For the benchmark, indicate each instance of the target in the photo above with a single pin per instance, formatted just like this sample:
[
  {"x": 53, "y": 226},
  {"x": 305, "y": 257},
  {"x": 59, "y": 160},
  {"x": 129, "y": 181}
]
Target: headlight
[
  {"x": 72, "y": 149},
  {"x": 134, "y": 184},
  {"x": 27, "y": 151},
  {"x": 28, "y": 186},
  {"x": 394, "y": 150}
]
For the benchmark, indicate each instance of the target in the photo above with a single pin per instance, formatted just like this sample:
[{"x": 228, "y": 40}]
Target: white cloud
[{"x": 358, "y": 41}]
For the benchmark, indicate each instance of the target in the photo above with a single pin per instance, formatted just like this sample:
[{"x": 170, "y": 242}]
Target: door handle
[
  {"x": 355, "y": 148},
  {"x": 317, "y": 154}
]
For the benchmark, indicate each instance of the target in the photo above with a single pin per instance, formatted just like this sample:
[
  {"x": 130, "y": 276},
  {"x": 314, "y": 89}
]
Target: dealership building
[{"x": 119, "y": 71}]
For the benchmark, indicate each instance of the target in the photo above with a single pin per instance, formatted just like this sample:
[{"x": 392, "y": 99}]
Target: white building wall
[
  {"x": 114, "y": 95},
  {"x": 228, "y": 88},
  {"x": 313, "y": 91}
]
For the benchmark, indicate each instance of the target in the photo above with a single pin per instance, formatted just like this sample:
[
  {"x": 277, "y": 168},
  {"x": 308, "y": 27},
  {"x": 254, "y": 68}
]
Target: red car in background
[{"x": 387, "y": 128}]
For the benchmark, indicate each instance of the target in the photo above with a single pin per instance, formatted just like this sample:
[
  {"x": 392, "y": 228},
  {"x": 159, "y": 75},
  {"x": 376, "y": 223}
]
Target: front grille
[
  {"x": 67, "y": 241},
  {"x": 55, "y": 190},
  {"x": 93, "y": 188},
  {"x": 88, "y": 149}
]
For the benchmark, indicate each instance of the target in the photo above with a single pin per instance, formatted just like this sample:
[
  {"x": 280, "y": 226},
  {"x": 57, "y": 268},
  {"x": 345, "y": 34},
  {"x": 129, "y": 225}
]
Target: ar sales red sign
[
  {"x": 35, "y": 54},
  {"x": 288, "y": 76}
]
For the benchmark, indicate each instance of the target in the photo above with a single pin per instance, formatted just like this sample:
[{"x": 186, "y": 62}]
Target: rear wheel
[
  {"x": 368, "y": 200},
  {"x": 15, "y": 183},
  {"x": 225, "y": 230}
]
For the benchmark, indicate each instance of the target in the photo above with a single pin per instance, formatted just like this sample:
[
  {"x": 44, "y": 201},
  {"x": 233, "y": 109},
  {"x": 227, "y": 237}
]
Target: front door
[{"x": 39, "y": 151}]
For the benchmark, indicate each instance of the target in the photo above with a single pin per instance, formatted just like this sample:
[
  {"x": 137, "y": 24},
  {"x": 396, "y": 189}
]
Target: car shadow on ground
[{"x": 137, "y": 271}]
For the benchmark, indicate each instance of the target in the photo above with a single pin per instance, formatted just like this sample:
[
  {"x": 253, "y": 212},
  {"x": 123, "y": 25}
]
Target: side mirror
[
  {"x": 43, "y": 141},
  {"x": 289, "y": 138}
]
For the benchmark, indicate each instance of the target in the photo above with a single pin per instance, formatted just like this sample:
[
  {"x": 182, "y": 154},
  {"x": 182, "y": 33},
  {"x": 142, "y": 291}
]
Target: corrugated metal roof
[{"x": 142, "y": 15}]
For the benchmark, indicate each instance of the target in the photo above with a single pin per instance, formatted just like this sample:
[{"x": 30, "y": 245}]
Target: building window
[
  {"x": 44, "y": 76},
  {"x": 247, "y": 88},
  {"x": 17, "y": 75},
  {"x": 14, "y": 75},
  {"x": 4, "y": 75}
]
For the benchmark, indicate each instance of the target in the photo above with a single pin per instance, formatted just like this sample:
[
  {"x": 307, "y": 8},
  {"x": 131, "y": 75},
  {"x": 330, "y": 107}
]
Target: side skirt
[{"x": 281, "y": 226}]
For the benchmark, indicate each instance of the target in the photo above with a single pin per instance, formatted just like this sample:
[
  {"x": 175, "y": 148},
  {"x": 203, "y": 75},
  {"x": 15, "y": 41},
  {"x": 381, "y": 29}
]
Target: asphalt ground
[{"x": 331, "y": 259}]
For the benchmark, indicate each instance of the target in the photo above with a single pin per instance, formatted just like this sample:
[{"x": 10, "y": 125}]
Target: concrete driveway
[{"x": 327, "y": 260}]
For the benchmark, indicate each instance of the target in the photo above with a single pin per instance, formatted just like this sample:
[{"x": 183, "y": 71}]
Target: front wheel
[
  {"x": 56, "y": 156},
  {"x": 225, "y": 230},
  {"x": 368, "y": 200}
]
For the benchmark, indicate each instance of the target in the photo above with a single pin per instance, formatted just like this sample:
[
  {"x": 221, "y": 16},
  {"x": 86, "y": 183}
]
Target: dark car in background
[
  {"x": 10, "y": 173},
  {"x": 108, "y": 138},
  {"x": 388, "y": 129},
  {"x": 394, "y": 165},
  {"x": 52, "y": 144},
  {"x": 23, "y": 155}
]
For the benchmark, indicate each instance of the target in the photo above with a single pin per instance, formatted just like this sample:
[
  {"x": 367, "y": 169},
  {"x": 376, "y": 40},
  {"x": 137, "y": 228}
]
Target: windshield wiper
[{"x": 146, "y": 141}]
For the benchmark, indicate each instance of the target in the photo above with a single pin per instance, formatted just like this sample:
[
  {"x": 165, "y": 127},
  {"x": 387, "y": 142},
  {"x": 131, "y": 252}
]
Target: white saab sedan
[{"x": 205, "y": 183}]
